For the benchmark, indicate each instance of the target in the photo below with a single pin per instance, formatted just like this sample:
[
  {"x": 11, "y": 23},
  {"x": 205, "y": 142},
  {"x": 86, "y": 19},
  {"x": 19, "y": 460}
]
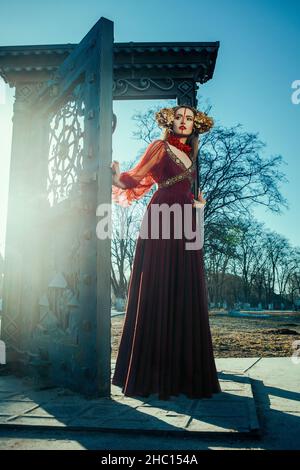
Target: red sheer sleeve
[{"x": 138, "y": 180}]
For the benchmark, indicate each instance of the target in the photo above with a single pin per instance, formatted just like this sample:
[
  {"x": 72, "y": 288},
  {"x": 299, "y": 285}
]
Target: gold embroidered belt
[{"x": 174, "y": 179}]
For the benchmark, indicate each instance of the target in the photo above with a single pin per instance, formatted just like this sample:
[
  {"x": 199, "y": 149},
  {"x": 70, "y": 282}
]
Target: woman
[{"x": 166, "y": 345}]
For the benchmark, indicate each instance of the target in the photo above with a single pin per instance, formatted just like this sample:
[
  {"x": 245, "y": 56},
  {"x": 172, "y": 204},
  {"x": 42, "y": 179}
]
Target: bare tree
[
  {"x": 293, "y": 284},
  {"x": 147, "y": 129},
  {"x": 234, "y": 174}
]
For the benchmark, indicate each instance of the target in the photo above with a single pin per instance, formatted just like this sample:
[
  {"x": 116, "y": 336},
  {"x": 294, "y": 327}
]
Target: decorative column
[{"x": 22, "y": 179}]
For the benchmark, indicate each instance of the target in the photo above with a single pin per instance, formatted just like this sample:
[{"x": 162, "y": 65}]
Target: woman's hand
[
  {"x": 115, "y": 169},
  {"x": 200, "y": 202}
]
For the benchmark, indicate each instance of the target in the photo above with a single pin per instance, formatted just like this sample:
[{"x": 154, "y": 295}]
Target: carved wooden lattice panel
[{"x": 66, "y": 146}]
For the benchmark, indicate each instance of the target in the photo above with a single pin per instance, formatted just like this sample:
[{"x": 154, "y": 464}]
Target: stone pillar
[{"x": 22, "y": 181}]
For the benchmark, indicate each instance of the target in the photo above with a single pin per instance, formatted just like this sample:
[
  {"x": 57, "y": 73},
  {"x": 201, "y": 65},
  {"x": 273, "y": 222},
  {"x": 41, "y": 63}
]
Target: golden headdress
[{"x": 202, "y": 122}]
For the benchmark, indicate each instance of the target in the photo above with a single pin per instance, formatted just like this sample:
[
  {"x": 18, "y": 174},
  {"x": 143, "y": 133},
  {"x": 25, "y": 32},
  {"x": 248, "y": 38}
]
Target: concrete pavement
[{"x": 258, "y": 408}]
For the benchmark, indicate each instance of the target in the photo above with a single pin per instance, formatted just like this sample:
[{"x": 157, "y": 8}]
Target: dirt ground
[{"x": 241, "y": 337}]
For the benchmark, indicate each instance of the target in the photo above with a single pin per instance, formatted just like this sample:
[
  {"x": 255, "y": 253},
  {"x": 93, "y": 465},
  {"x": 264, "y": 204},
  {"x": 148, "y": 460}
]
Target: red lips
[{"x": 182, "y": 127}]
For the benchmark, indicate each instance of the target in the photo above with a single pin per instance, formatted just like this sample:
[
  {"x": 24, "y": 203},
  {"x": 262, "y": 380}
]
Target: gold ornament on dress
[
  {"x": 187, "y": 173},
  {"x": 202, "y": 122},
  {"x": 174, "y": 179}
]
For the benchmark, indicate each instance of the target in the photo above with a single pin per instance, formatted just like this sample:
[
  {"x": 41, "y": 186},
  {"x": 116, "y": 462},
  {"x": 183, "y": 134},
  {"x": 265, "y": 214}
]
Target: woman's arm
[{"x": 133, "y": 184}]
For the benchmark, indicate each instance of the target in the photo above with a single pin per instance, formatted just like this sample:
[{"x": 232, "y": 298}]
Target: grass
[{"x": 241, "y": 337}]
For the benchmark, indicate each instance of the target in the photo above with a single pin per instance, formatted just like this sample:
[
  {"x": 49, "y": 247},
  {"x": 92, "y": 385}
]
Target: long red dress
[{"x": 166, "y": 346}]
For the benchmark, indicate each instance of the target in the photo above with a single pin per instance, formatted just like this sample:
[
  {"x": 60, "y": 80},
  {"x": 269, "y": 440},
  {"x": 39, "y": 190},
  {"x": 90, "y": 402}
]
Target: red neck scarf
[{"x": 174, "y": 140}]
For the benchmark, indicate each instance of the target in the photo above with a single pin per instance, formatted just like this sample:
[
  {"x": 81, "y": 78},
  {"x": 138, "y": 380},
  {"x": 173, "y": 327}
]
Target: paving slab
[{"x": 232, "y": 412}]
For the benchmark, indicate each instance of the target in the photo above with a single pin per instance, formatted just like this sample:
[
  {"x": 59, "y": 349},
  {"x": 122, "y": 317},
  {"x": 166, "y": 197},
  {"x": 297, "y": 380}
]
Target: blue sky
[{"x": 259, "y": 59}]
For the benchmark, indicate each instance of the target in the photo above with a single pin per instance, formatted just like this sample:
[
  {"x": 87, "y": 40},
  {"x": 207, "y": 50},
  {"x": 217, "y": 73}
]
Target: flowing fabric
[
  {"x": 139, "y": 180},
  {"x": 166, "y": 345}
]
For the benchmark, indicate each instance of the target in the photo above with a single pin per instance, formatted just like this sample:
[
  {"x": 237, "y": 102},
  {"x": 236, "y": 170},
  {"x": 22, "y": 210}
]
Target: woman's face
[{"x": 183, "y": 122}]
